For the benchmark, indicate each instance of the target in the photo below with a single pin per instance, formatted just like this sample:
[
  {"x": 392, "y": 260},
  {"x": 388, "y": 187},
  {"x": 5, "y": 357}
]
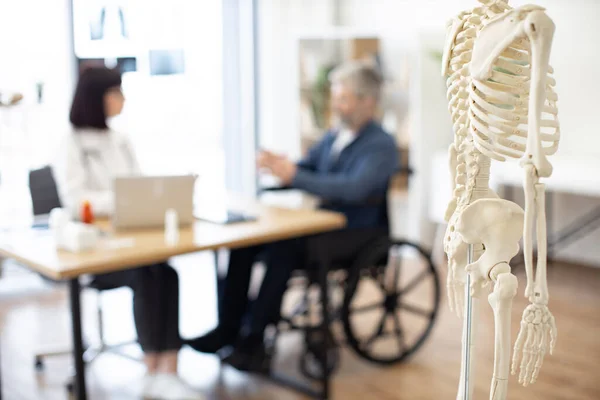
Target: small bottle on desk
[
  {"x": 87, "y": 214},
  {"x": 171, "y": 227}
]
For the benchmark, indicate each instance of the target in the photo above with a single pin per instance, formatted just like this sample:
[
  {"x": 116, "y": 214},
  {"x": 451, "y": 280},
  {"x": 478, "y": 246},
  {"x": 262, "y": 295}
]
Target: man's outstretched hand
[
  {"x": 266, "y": 158},
  {"x": 280, "y": 166}
]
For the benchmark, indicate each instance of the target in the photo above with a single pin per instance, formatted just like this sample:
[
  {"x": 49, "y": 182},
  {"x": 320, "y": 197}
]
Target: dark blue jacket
[{"x": 356, "y": 182}]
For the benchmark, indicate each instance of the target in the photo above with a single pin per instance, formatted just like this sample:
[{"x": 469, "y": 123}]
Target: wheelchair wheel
[{"x": 391, "y": 301}]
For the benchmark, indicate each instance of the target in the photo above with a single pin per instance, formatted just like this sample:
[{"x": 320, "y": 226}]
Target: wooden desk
[{"x": 36, "y": 250}]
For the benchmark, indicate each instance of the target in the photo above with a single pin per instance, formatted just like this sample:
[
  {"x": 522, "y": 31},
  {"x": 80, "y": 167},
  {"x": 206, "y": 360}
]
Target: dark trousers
[
  {"x": 281, "y": 258},
  {"x": 155, "y": 303}
]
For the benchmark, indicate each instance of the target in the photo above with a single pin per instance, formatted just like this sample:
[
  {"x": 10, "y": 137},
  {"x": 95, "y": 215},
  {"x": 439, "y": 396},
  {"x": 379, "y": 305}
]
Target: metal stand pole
[{"x": 469, "y": 329}]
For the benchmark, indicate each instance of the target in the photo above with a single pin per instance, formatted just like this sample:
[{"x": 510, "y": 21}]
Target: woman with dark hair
[{"x": 91, "y": 156}]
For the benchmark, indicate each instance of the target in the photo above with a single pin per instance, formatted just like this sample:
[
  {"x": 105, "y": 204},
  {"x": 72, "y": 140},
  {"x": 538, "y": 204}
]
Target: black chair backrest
[{"x": 43, "y": 190}]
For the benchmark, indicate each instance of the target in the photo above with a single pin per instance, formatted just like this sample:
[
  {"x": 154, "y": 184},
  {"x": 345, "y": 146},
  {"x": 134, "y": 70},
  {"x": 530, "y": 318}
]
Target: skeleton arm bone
[
  {"x": 541, "y": 295},
  {"x": 529, "y": 188},
  {"x": 538, "y": 329},
  {"x": 540, "y": 30}
]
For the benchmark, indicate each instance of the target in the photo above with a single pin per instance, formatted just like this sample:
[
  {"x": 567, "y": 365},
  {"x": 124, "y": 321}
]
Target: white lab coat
[{"x": 86, "y": 164}]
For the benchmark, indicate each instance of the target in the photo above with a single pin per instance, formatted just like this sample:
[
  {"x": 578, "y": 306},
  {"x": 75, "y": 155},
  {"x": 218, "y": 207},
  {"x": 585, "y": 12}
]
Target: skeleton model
[{"x": 503, "y": 106}]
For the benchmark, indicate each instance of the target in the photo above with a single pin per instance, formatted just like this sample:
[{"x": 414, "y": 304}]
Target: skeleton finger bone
[
  {"x": 541, "y": 349},
  {"x": 518, "y": 346},
  {"x": 527, "y": 353},
  {"x": 532, "y": 354},
  {"x": 553, "y": 333}
]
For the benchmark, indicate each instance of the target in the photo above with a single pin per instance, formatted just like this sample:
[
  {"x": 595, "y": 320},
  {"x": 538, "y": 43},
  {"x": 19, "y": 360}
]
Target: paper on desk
[{"x": 118, "y": 243}]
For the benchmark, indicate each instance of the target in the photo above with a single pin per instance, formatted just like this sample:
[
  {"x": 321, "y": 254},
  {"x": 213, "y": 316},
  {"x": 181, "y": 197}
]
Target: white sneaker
[
  {"x": 172, "y": 387},
  {"x": 147, "y": 386}
]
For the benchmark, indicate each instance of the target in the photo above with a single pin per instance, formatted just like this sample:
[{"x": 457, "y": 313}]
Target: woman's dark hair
[{"x": 87, "y": 109}]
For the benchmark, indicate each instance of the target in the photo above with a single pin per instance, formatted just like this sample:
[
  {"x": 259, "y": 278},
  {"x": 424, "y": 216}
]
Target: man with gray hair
[
  {"x": 349, "y": 170},
  {"x": 356, "y": 156}
]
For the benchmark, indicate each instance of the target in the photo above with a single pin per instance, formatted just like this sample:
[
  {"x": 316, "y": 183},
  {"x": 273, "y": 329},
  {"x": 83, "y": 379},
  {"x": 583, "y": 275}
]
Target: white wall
[
  {"x": 280, "y": 22},
  {"x": 180, "y": 112},
  {"x": 35, "y": 46}
]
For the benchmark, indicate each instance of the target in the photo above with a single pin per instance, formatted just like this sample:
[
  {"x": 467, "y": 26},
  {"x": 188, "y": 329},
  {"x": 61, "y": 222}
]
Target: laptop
[
  {"x": 141, "y": 201},
  {"x": 213, "y": 208}
]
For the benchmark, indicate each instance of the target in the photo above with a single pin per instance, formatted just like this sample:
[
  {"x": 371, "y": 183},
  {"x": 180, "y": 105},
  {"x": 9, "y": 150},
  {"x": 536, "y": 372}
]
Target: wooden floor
[{"x": 34, "y": 315}]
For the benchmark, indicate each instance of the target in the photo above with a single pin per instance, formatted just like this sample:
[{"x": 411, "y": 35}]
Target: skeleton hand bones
[{"x": 537, "y": 329}]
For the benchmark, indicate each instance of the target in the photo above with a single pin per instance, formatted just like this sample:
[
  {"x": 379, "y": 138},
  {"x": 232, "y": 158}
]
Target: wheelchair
[{"x": 384, "y": 304}]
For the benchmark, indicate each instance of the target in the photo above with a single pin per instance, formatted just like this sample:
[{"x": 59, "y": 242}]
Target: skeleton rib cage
[{"x": 497, "y": 115}]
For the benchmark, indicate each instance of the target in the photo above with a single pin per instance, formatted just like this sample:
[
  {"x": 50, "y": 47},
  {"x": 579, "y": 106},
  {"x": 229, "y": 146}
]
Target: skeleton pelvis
[
  {"x": 497, "y": 223},
  {"x": 491, "y": 223}
]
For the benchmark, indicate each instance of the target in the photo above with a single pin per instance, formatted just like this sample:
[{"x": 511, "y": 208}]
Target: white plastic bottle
[{"x": 171, "y": 227}]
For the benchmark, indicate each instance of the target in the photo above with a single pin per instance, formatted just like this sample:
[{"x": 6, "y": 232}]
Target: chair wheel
[
  {"x": 39, "y": 363},
  {"x": 70, "y": 386}
]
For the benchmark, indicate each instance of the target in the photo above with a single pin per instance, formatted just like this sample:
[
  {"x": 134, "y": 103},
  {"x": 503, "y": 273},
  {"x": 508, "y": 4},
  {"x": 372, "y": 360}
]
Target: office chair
[{"x": 44, "y": 198}]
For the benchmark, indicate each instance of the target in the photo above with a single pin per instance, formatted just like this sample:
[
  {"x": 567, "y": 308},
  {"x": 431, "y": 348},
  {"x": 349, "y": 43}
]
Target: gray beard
[{"x": 343, "y": 123}]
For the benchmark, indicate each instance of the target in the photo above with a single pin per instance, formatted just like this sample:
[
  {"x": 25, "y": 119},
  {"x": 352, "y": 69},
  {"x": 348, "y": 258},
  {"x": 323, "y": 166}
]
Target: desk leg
[
  {"x": 325, "y": 321},
  {"x": 74, "y": 292}
]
